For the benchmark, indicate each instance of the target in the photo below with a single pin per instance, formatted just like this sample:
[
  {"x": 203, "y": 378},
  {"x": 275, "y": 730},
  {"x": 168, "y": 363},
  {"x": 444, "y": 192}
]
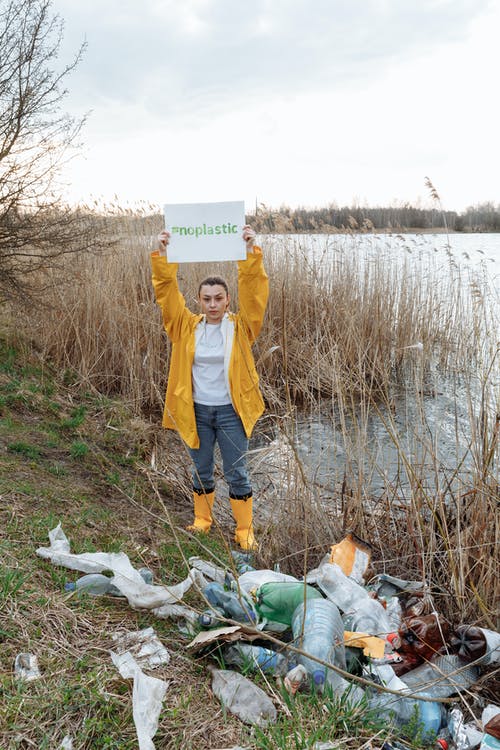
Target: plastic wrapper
[
  {"x": 26, "y": 667},
  {"x": 243, "y": 698},
  {"x": 147, "y": 697},
  {"x": 144, "y": 645},
  {"x": 126, "y": 578}
]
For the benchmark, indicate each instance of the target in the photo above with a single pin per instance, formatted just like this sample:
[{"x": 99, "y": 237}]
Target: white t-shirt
[{"x": 209, "y": 382}]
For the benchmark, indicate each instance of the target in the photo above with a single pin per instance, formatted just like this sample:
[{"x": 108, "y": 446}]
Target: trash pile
[{"x": 379, "y": 641}]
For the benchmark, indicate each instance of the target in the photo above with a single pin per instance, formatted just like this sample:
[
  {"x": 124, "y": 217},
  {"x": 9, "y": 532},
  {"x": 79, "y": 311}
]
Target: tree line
[{"x": 483, "y": 217}]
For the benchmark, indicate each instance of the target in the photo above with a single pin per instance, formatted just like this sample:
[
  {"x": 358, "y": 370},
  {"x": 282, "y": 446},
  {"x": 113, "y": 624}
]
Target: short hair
[{"x": 213, "y": 281}]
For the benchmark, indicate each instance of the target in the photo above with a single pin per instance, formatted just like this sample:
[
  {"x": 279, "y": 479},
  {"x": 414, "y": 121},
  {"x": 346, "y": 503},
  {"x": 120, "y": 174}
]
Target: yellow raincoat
[{"x": 240, "y": 331}]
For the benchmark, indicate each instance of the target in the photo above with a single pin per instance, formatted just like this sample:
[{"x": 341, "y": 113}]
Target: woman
[{"x": 213, "y": 387}]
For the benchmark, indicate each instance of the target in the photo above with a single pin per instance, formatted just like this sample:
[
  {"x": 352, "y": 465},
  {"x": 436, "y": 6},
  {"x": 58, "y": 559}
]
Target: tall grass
[{"x": 351, "y": 335}]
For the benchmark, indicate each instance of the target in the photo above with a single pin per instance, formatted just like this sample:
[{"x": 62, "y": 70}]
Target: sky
[{"x": 284, "y": 102}]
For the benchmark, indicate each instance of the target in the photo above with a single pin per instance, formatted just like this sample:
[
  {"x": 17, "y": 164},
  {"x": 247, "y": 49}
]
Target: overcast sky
[{"x": 296, "y": 102}]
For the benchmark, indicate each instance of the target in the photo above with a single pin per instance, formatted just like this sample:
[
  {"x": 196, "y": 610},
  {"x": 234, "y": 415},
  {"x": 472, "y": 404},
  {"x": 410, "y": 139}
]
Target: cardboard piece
[
  {"x": 228, "y": 634},
  {"x": 205, "y": 231}
]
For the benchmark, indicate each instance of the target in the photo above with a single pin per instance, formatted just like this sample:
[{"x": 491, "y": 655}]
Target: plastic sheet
[{"x": 147, "y": 697}]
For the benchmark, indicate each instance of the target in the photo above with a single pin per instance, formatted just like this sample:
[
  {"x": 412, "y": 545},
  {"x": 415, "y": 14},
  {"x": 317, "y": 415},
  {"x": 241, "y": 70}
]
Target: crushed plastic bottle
[
  {"x": 234, "y": 607},
  {"x": 243, "y": 698},
  {"x": 318, "y": 630},
  {"x": 277, "y": 601},
  {"x": 210, "y": 570},
  {"x": 242, "y": 561},
  {"x": 405, "y": 706},
  {"x": 476, "y": 644},
  {"x": 445, "y": 675},
  {"x": 369, "y": 616},
  {"x": 212, "y": 618},
  {"x": 253, "y": 658},
  {"x": 345, "y": 593}
]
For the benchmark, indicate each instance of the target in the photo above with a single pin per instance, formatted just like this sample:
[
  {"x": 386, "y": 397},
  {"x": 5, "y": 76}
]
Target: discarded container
[
  {"x": 423, "y": 636},
  {"x": 278, "y": 601},
  {"x": 210, "y": 570},
  {"x": 97, "y": 584},
  {"x": 318, "y": 631},
  {"x": 403, "y": 707},
  {"x": 233, "y": 606},
  {"x": 345, "y": 593},
  {"x": 243, "y": 698},
  {"x": 296, "y": 677},
  {"x": 212, "y": 618},
  {"x": 242, "y": 561},
  {"x": 491, "y": 726},
  {"x": 476, "y": 644},
  {"x": 443, "y": 676},
  {"x": 250, "y": 657},
  {"x": 252, "y": 579},
  {"x": 387, "y": 586},
  {"x": 369, "y": 616}
]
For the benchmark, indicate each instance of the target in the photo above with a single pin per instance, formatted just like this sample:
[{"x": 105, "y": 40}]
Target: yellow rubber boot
[
  {"x": 203, "y": 505},
  {"x": 242, "y": 512}
]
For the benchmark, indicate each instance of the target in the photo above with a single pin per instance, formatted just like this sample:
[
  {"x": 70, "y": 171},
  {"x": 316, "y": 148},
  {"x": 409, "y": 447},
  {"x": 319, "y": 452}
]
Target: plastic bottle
[
  {"x": 98, "y": 584},
  {"x": 252, "y": 579},
  {"x": 441, "y": 677},
  {"x": 423, "y": 636},
  {"x": 95, "y": 584},
  {"x": 243, "y": 698},
  {"x": 210, "y": 570},
  {"x": 318, "y": 631},
  {"x": 368, "y": 616},
  {"x": 212, "y": 618},
  {"x": 341, "y": 590},
  {"x": 277, "y": 601},
  {"x": 242, "y": 561},
  {"x": 403, "y": 707},
  {"x": 253, "y": 658},
  {"x": 476, "y": 644},
  {"x": 233, "y": 606},
  {"x": 490, "y": 718}
]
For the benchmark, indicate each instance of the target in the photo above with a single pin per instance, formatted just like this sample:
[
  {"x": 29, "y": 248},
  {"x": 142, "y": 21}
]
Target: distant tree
[{"x": 36, "y": 138}]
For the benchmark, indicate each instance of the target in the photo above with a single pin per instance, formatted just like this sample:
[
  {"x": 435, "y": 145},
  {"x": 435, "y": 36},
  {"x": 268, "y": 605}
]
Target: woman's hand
[
  {"x": 249, "y": 237},
  {"x": 163, "y": 240}
]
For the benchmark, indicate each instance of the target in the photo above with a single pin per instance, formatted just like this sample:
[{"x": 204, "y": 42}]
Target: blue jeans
[{"x": 221, "y": 424}]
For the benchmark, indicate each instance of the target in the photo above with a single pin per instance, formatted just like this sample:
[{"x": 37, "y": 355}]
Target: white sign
[{"x": 205, "y": 231}]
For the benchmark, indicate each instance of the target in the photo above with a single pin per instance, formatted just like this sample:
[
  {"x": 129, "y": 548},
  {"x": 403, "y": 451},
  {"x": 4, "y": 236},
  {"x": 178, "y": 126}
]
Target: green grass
[{"x": 61, "y": 464}]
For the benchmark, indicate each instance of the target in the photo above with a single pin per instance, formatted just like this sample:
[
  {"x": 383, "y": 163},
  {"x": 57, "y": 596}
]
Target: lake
[{"x": 434, "y": 431}]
